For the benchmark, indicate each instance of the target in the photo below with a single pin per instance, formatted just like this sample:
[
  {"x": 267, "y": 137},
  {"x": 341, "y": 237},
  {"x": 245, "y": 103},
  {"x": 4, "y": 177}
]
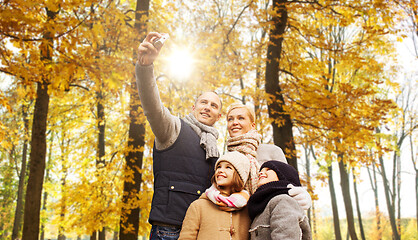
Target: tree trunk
[
  {"x": 416, "y": 196},
  {"x": 133, "y": 161},
  {"x": 37, "y": 165},
  {"x": 414, "y": 163},
  {"x": 313, "y": 220},
  {"x": 311, "y": 211},
  {"x": 19, "y": 202},
  {"x": 45, "y": 196},
  {"x": 363, "y": 237},
  {"x": 389, "y": 203},
  {"x": 61, "y": 234},
  {"x": 44, "y": 201},
  {"x": 38, "y": 147},
  {"x": 308, "y": 176},
  {"x": 102, "y": 234},
  {"x": 398, "y": 187},
  {"x": 373, "y": 182},
  {"x": 93, "y": 236},
  {"x": 282, "y": 126},
  {"x": 336, "y": 218},
  {"x": 396, "y": 180},
  {"x": 345, "y": 188},
  {"x": 101, "y": 125},
  {"x": 258, "y": 81}
]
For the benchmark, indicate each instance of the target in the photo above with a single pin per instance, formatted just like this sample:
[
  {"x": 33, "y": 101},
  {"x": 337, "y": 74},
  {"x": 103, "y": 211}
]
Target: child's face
[
  {"x": 266, "y": 175},
  {"x": 224, "y": 173}
]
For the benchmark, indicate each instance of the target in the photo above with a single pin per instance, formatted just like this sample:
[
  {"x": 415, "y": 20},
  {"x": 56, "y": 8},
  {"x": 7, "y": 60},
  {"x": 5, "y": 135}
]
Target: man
[{"x": 185, "y": 150}]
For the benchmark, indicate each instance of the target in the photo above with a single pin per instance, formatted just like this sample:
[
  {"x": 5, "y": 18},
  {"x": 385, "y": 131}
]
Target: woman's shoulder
[{"x": 267, "y": 152}]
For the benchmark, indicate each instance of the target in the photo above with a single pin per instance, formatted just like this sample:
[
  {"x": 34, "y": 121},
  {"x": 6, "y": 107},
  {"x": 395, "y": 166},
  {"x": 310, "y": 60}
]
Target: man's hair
[
  {"x": 250, "y": 110},
  {"x": 200, "y": 94},
  {"x": 237, "y": 183}
]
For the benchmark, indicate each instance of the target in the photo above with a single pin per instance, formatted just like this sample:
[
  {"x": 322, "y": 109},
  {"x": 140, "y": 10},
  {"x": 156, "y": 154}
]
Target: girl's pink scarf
[{"x": 232, "y": 202}]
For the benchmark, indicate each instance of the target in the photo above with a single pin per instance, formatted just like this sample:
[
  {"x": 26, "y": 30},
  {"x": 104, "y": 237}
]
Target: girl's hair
[
  {"x": 237, "y": 183},
  {"x": 250, "y": 110}
]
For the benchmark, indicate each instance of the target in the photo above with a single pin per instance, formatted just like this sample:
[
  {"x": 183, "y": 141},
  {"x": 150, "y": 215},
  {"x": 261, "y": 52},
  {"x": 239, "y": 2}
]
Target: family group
[{"x": 248, "y": 193}]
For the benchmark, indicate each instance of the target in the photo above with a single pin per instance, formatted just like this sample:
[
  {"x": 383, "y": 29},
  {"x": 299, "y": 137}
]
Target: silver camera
[{"x": 158, "y": 43}]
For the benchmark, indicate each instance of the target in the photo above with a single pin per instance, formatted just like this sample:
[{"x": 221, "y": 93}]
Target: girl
[
  {"x": 274, "y": 214},
  {"x": 220, "y": 213}
]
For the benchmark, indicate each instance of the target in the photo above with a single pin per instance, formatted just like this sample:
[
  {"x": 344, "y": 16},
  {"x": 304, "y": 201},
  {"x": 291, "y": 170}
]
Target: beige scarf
[
  {"x": 208, "y": 135},
  {"x": 248, "y": 144}
]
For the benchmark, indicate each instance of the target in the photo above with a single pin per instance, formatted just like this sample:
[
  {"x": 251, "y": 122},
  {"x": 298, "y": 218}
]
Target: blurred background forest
[{"x": 332, "y": 84}]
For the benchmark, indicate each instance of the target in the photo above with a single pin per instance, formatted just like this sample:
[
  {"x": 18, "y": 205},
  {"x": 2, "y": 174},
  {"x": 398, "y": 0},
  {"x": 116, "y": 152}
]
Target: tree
[
  {"x": 130, "y": 215},
  {"x": 22, "y": 177},
  {"x": 373, "y": 182},
  {"x": 411, "y": 29},
  {"x": 56, "y": 54},
  {"x": 282, "y": 125},
  {"x": 38, "y": 143},
  {"x": 326, "y": 41}
]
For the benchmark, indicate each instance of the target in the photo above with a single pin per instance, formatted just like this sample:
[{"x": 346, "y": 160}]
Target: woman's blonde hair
[{"x": 250, "y": 110}]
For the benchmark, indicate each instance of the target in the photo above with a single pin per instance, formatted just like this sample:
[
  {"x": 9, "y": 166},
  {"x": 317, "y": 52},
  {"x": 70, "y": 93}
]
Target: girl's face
[
  {"x": 266, "y": 175},
  {"x": 239, "y": 122},
  {"x": 224, "y": 173}
]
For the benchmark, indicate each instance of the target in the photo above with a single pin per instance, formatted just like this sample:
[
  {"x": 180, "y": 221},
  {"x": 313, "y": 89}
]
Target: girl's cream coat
[{"x": 204, "y": 220}]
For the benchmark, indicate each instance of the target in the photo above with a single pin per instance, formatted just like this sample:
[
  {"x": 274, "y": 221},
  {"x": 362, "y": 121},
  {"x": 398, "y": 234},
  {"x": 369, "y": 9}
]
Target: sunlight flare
[{"x": 180, "y": 64}]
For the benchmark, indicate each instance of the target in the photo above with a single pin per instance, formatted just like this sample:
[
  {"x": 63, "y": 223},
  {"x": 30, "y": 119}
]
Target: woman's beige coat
[{"x": 204, "y": 220}]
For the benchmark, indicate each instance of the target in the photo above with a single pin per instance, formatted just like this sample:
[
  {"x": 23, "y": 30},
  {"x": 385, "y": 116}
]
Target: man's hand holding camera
[{"x": 149, "y": 49}]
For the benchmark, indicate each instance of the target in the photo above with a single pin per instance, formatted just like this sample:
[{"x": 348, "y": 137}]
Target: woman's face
[{"x": 239, "y": 122}]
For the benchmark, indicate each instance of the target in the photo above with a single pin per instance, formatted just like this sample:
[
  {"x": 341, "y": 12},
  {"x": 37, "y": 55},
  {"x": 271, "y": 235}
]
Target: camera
[{"x": 158, "y": 43}]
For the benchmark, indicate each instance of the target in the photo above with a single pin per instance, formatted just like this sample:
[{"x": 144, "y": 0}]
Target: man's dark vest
[{"x": 181, "y": 175}]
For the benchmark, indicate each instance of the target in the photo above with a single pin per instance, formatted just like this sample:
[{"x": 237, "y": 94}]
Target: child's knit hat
[
  {"x": 240, "y": 162},
  {"x": 284, "y": 171}
]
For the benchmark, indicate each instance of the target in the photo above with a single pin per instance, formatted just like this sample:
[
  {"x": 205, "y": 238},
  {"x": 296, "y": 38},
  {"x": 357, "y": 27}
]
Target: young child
[
  {"x": 274, "y": 214},
  {"x": 221, "y": 213}
]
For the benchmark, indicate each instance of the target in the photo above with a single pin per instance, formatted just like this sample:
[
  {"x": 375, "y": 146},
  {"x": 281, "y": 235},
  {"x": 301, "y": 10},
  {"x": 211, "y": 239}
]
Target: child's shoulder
[
  {"x": 283, "y": 199},
  {"x": 202, "y": 201}
]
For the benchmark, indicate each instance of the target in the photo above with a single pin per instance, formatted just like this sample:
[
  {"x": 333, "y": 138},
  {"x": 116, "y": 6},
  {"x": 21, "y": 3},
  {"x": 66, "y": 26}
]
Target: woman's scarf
[
  {"x": 247, "y": 144},
  {"x": 233, "y": 202},
  {"x": 208, "y": 136},
  {"x": 259, "y": 200}
]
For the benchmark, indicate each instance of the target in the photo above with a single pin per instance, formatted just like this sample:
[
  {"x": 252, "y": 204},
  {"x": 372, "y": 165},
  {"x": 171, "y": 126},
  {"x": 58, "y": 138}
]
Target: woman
[
  {"x": 241, "y": 120},
  {"x": 244, "y": 138}
]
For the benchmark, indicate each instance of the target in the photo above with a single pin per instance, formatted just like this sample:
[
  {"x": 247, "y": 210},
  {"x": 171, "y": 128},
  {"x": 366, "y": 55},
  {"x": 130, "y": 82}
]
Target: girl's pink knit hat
[{"x": 240, "y": 162}]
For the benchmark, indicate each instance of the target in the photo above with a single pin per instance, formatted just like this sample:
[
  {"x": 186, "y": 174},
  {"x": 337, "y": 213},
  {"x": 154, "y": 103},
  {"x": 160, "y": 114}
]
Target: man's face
[{"x": 207, "y": 108}]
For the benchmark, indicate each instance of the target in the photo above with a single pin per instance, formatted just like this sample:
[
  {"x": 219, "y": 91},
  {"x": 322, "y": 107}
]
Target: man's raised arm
[{"x": 165, "y": 126}]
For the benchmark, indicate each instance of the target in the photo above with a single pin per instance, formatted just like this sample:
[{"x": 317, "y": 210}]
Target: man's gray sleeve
[{"x": 165, "y": 126}]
